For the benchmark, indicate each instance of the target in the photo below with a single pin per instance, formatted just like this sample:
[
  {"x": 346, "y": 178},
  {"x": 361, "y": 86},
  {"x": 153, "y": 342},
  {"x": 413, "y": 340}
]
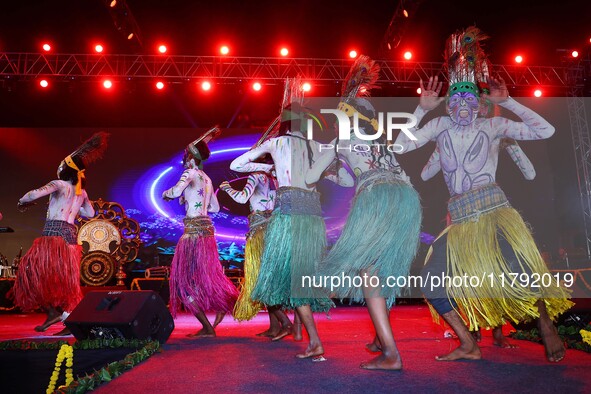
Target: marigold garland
[
  {"x": 66, "y": 353},
  {"x": 143, "y": 350}
]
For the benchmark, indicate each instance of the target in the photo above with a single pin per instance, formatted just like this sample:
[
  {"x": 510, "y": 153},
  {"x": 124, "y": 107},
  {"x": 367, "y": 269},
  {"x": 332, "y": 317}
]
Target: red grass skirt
[
  {"x": 197, "y": 278},
  {"x": 49, "y": 275}
]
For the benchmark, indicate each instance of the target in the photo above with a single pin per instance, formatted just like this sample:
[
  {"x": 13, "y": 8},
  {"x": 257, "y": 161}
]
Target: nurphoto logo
[{"x": 345, "y": 127}]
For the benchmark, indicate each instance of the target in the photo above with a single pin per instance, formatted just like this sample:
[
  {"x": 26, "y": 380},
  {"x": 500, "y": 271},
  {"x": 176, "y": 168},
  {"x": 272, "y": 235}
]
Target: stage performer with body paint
[
  {"x": 261, "y": 198},
  {"x": 295, "y": 240},
  {"x": 197, "y": 278},
  {"x": 49, "y": 273},
  {"x": 526, "y": 167},
  {"x": 381, "y": 235},
  {"x": 486, "y": 235}
]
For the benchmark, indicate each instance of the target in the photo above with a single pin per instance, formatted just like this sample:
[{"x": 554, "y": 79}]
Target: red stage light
[
  {"x": 538, "y": 93},
  {"x": 407, "y": 55},
  {"x": 518, "y": 59},
  {"x": 575, "y": 54},
  {"x": 107, "y": 84},
  {"x": 405, "y": 13},
  {"x": 306, "y": 87},
  {"x": 224, "y": 50},
  {"x": 284, "y": 52},
  {"x": 43, "y": 83},
  {"x": 257, "y": 86},
  {"x": 162, "y": 49},
  {"x": 130, "y": 36},
  {"x": 159, "y": 85},
  {"x": 113, "y": 4},
  {"x": 419, "y": 91},
  {"x": 206, "y": 85},
  {"x": 98, "y": 48},
  {"x": 353, "y": 54},
  {"x": 46, "y": 47}
]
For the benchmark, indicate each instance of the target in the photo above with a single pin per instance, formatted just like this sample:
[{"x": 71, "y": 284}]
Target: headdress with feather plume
[
  {"x": 91, "y": 150},
  {"x": 292, "y": 101},
  {"x": 198, "y": 149},
  {"x": 362, "y": 77},
  {"x": 466, "y": 62}
]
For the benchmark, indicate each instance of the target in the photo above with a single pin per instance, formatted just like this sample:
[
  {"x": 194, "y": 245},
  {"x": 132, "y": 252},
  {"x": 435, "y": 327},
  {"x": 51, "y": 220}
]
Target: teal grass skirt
[
  {"x": 295, "y": 243},
  {"x": 380, "y": 238}
]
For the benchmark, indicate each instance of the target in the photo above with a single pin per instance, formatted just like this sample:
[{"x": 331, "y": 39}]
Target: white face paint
[{"x": 463, "y": 108}]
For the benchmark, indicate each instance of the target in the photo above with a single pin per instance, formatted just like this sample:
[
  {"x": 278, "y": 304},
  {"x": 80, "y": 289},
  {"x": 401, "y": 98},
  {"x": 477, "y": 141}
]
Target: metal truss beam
[
  {"x": 581, "y": 142},
  {"x": 23, "y": 66}
]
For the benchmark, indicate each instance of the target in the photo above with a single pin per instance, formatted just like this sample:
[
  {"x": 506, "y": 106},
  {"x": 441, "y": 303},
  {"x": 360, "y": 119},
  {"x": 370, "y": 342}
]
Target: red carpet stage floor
[{"x": 238, "y": 361}]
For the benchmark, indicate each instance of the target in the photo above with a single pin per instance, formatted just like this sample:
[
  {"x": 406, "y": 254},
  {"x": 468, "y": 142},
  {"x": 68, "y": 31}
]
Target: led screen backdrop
[{"x": 140, "y": 163}]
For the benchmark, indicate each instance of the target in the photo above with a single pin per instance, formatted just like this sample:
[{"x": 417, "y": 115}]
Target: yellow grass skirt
[{"x": 473, "y": 250}]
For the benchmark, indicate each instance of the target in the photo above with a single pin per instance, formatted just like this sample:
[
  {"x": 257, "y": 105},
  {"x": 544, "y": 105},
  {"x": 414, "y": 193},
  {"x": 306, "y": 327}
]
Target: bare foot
[
  {"x": 219, "y": 316},
  {"x": 460, "y": 353},
  {"x": 285, "y": 331},
  {"x": 51, "y": 320},
  {"x": 271, "y": 332},
  {"x": 65, "y": 331},
  {"x": 500, "y": 340},
  {"x": 297, "y": 332},
  {"x": 476, "y": 335},
  {"x": 312, "y": 351},
  {"x": 391, "y": 363},
  {"x": 555, "y": 350},
  {"x": 203, "y": 333},
  {"x": 374, "y": 346}
]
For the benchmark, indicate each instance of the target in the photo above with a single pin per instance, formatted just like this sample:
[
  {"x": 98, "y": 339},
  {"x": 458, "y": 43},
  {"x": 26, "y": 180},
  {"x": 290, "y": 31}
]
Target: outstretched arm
[
  {"x": 177, "y": 190},
  {"x": 533, "y": 127},
  {"x": 41, "y": 192},
  {"x": 242, "y": 196},
  {"x": 245, "y": 162},
  {"x": 423, "y": 135}
]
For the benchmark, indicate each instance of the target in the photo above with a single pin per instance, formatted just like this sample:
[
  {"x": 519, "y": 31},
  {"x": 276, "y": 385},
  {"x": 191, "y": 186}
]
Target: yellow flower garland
[{"x": 66, "y": 352}]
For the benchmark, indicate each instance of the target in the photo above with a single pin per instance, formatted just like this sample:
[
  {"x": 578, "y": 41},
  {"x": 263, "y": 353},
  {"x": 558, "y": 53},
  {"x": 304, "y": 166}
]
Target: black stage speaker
[{"x": 121, "y": 314}]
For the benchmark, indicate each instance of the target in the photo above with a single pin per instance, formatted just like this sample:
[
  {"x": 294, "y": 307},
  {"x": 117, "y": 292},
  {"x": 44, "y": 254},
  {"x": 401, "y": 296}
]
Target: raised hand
[
  {"x": 430, "y": 95},
  {"x": 498, "y": 90}
]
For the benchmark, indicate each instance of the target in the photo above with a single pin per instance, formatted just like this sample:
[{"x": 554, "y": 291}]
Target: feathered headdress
[
  {"x": 466, "y": 62},
  {"x": 291, "y": 103},
  {"x": 362, "y": 77},
  {"x": 90, "y": 151},
  {"x": 199, "y": 150},
  {"x": 293, "y": 96}
]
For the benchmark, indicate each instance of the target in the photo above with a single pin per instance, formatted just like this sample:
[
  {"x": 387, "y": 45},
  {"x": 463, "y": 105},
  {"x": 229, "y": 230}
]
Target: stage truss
[
  {"x": 224, "y": 69},
  {"x": 576, "y": 74},
  {"x": 567, "y": 80}
]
